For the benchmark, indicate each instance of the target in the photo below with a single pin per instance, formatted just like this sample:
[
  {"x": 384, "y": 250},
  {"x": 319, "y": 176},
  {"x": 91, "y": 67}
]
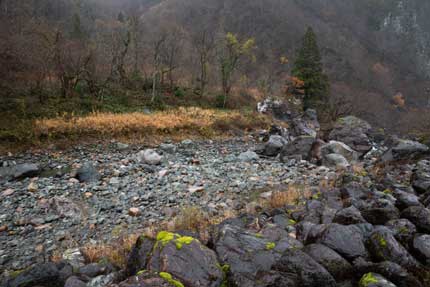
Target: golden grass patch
[
  {"x": 181, "y": 121},
  {"x": 116, "y": 253},
  {"x": 293, "y": 194}
]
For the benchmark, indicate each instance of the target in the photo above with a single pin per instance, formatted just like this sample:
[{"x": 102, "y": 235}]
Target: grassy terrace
[{"x": 176, "y": 123}]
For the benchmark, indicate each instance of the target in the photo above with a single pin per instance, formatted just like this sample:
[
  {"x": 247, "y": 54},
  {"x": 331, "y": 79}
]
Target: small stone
[
  {"x": 114, "y": 181},
  {"x": 7, "y": 192},
  {"x": 134, "y": 211},
  {"x": 3, "y": 228},
  {"x": 194, "y": 189},
  {"x": 162, "y": 173},
  {"x": 266, "y": 195},
  {"x": 122, "y": 146},
  {"x": 88, "y": 194},
  {"x": 73, "y": 180},
  {"x": 32, "y": 187}
]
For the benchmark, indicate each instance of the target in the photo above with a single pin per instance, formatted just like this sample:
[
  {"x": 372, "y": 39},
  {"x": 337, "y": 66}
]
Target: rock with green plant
[
  {"x": 384, "y": 247},
  {"x": 178, "y": 259}
]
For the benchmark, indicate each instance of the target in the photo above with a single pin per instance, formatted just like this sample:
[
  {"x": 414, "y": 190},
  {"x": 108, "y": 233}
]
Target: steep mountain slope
[{"x": 372, "y": 49}]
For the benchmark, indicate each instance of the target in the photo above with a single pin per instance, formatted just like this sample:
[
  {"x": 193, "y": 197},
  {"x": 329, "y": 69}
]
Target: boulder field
[{"x": 364, "y": 220}]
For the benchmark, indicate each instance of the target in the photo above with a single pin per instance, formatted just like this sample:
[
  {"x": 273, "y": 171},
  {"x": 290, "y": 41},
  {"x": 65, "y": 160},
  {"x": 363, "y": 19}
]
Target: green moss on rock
[
  {"x": 169, "y": 278},
  {"x": 368, "y": 279},
  {"x": 164, "y": 237},
  {"x": 270, "y": 245}
]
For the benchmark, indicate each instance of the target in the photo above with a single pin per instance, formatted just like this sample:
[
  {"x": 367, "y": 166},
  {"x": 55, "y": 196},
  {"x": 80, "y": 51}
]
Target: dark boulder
[
  {"x": 384, "y": 247},
  {"x": 405, "y": 150},
  {"x": 274, "y": 146},
  {"x": 74, "y": 282},
  {"x": 379, "y": 211},
  {"x": 390, "y": 270},
  {"x": 307, "y": 125},
  {"x": 419, "y": 216},
  {"x": 87, "y": 173},
  {"x": 348, "y": 216},
  {"x": 336, "y": 147},
  {"x": 374, "y": 280},
  {"x": 402, "y": 229},
  {"x": 19, "y": 171},
  {"x": 186, "y": 260},
  {"x": 354, "y": 190},
  {"x": 353, "y": 132},
  {"x": 43, "y": 275},
  {"x": 303, "y": 270},
  {"x": 139, "y": 255},
  {"x": 421, "y": 177},
  {"x": 335, "y": 264},
  {"x": 93, "y": 270},
  {"x": 405, "y": 199},
  {"x": 250, "y": 256},
  {"x": 421, "y": 247},
  {"x": 347, "y": 240},
  {"x": 308, "y": 232},
  {"x": 298, "y": 148}
]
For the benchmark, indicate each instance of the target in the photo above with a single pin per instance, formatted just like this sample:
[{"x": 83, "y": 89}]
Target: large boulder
[
  {"x": 421, "y": 177},
  {"x": 335, "y": 160},
  {"x": 139, "y": 255},
  {"x": 405, "y": 199},
  {"x": 278, "y": 109},
  {"x": 299, "y": 269},
  {"x": 390, "y": 270},
  {"x": 374, "y": 280},
  {"x": 353, "y": 132},
  {"x": 307, "y": 125},
  {"x": 250, "y": 255},
  {"x": 43, "y": 275},
  {"x": 384, "y": 247},
  {"x": 19, "y": 171},
  {"x": 419, "y": 216},
  {"x": 298, "y": 148},
  {"x": 335, "y": 264},
  {"x": 379, "y": 211},
  {"x": 405, "y": 150},
  {"x": 274, "y": 145},
  {"x": 337, "y": 147},
  {"x": 347, "y": 240},
  {"x": 183, "y": 258},
  {"x": 421, "y": 247},
  {"x": 402, "y": 229},
  {"x": 348, "y": 216}
]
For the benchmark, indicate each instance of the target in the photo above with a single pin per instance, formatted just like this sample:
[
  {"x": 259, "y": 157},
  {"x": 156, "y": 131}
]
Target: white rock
[
  {"x": 149, "y": 156},
  {"x": 7, "y": 192},
  {"x": 248, "y": 156}
]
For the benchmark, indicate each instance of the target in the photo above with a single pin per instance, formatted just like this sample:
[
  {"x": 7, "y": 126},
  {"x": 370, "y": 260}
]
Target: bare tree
[{"x": 204, "y": 44}]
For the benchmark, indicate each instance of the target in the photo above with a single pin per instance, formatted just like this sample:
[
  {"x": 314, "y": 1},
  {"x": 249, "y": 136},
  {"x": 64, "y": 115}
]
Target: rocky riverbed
[
  {"x": 364, "y": 220},
  {"x": 50, "y": 212}
]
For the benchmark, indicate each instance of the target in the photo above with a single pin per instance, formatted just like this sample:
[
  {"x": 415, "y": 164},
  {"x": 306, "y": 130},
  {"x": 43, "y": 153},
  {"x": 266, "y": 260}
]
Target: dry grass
[
  {"x": 116, "y": 252},
  {"x": 193, "y": 218},
  {"x": 292, "y": 195},
  {"x": 181, "y": 121}
]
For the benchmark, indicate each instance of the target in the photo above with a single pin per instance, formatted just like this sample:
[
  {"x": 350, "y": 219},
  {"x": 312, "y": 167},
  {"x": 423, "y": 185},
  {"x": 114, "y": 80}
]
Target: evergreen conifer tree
[{"x": 308, "y": 68}]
